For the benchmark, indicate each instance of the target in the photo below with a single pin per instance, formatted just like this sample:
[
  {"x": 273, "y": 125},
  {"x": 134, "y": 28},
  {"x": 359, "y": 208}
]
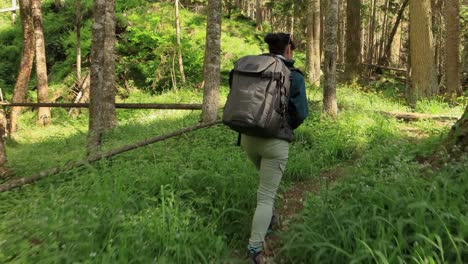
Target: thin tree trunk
[
  {"x": 370, "y": 45},
  {"x": 78, "y": 41},
  {"x": 384, "y": 60},
  {"x": 3, "y": 155},
  {"x": 211, "y": 66},
  {"x": 179, "y": 46},
  {"x": 423, "y": 72},
  {"x": 340, "y": 34},
  {"x": 44, "y": 117},
  {"x": 353, "y": 41},
  {"x": 313, "y": 43},
  {"x": 384, "y": 29},
  {"x": 329, "y": 90},
  {"x": 395, "y": 50},
  {"x": 27, "y": 58},
  {"x": 452, "y": 47},
  {"x": 258, "y": 14},
  {"x": 322, "y": 25},
  {"x": 293, "y": 21},
  {"x": 102, "y": 89}
]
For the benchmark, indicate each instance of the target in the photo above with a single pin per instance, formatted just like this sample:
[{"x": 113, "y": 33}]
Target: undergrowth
[{"x": 190, "y": 199}]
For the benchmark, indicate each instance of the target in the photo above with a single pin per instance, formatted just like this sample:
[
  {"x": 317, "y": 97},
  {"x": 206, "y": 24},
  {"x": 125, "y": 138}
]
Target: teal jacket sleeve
[{"x": 297, "y": 104}]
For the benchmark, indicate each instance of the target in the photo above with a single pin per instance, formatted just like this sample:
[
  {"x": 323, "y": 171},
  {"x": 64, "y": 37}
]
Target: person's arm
[{"x": 297, "y": 106}]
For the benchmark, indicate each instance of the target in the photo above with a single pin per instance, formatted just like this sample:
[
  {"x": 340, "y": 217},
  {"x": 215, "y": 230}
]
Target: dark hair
[{"x": 277, "y": 42}]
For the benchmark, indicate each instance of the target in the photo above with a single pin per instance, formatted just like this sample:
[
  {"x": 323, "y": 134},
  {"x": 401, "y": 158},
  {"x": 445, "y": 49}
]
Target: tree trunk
[
  {"x": 457, "y": 138},
  {"x": 211, "y": 65},
  {"x": 102, "y": 88},
  {"x": 340, "y": 38},
  {"x": 78, "y": 41},
  {"x": 422, "y": 70},
  {"x": 384, "y": 60},
  {"x": 395, "y": 50},
  {"x": 44, "y": 117},
  {"x": 292, "y": 21},
  {"x": 313, "y": 43},
  {"x": 353, "y": 40},
  {"x": 179, "y": 46},
  {"x": 452, "y": 47},
  {"x": 258, "y": 14},
  {"x": 27, "y": 57},
  {"x": 465, "y": 64},
  {"x": 370, "y": 45},
  {"x": 3, "y": 156},
  {"x": 329, "y": 90},
  {"x": 384, "y": 30}
]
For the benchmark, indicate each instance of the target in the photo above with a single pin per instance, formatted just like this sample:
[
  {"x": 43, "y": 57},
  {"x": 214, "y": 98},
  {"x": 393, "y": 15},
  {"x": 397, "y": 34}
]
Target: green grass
[
  {"x": 388, "y": 207},
  {"x": 190, "y": 199}
]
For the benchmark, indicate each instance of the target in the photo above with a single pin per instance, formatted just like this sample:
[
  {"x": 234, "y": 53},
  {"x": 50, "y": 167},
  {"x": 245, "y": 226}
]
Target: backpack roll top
[{"x": 256, "y": 103}]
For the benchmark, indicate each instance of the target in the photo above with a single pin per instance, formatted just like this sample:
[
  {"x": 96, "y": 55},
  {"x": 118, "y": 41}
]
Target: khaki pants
[{"x": 270, "y": 156}]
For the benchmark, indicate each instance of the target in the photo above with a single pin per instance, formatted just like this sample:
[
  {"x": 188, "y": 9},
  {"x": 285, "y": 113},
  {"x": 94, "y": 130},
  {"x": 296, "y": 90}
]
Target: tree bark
[
  {"x": 211, "y": 65},
  {"x": 340, "y": 34},
  {"x": 353, "y": 40},
  {"x": 44, "y": 117},
  {"x": 258, "y": 14},
  {"x": 27, "y": 58},
  {"x": 3, "y": 155},
  {"x": 78, "y": 41},
  {"x": 313, "y": 43},
  {"x": 457, "y": 138},
  {"x": 384, "y": 60},
  {"x": 370, "y": 44},
  {"x": 452, "y": 48},
  {"x": 102, "y": 89},
  {"x": 329, "y": 90},
  {"x": 422, "y": 70},
  {"x": 179, "y": 46}
]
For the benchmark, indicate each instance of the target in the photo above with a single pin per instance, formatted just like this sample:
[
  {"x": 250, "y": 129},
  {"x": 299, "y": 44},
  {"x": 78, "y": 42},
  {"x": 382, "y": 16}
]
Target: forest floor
[
  {"x": 190, "y": 199},
  {"x": 291, "y": 201}
]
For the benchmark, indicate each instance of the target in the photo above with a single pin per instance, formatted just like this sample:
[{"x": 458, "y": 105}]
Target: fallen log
[
  {"x": 118, "y": 105},
  {"x": 418, "y": 116},
  {"x": 15, "y": 183},
  {"x": 385, "y": 67}
]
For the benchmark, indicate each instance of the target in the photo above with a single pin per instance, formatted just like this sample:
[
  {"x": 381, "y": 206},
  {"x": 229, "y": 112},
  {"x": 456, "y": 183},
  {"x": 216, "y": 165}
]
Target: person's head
[{"x": 280, "y": 44}]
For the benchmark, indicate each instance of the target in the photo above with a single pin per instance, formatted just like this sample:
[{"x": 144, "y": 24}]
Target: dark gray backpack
[{"x": 257, "y": 101}]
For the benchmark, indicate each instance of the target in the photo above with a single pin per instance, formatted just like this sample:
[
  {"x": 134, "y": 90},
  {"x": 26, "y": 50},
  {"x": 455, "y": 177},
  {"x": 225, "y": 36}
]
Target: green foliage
[
  {"x": 387, "y": 208},
  {"x": 146, "y": 50}
]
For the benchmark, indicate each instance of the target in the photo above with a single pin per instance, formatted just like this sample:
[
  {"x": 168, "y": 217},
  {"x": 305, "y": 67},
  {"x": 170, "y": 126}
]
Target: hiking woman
[{"x": 270, "y": 155}]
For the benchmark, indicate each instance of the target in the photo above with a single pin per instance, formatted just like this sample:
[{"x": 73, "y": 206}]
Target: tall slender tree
[
  {"x": 422, "y": 69},
  {"x": 44, "y": 117},
  {"x": 353, "y": 40},
  {"x": 330, "y": 45},
  {"x": 78, "y": 41},
  {"x": 385, "y": 59},
  {"x": 27, "y": 58},
  {"x": 452, "y": 47},
  {"x": 179, "y": 46},
  {"x": 258, "y": 14},
  {"x": 102, "y": 89},
  {"x": 370, "y": 40},
  {"x": 313, "y": 43},
  {"x": 212, "y": 62}
]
